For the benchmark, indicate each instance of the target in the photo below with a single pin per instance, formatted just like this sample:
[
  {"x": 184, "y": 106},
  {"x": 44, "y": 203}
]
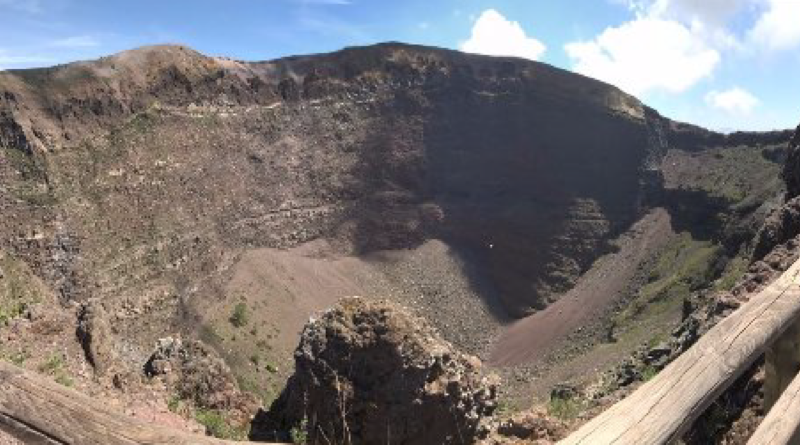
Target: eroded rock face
[
  {"x": 791, "y": 170},
  {"x": 783, "y": 224},
  {"x": 373, "y": 148},
  {"x": 369, "y": 372},
  {"x": 199, "y": 375}
]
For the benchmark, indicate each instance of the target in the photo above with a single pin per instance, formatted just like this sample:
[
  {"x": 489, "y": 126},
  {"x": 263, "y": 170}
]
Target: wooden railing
[
  {"x": 39, "y": 411},
  {"x": 662, "y": 409}
]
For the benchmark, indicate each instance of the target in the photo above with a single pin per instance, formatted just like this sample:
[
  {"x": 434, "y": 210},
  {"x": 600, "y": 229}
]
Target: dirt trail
[{"x": 530, "y": 339}]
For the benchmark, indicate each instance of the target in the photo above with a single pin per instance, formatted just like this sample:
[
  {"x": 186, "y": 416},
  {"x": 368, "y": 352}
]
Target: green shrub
[
  {"x": 299, "y": 433},
  {"x": 566, "y": 408},
  {"x": 65, "y": 380},
  {"x": 240, "y": 315},
  {"x": 18, "y": 358},
  {"x": 174, "y": 404},
  {"x": 216, "y": 425},
  {"x": 649, "y": 372},
  {"x": 11, "y": 312},
  {"x": 53, "y": 365}
]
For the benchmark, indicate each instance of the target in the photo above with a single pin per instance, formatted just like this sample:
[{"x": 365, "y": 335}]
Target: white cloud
[
  {"x": 779, "y": 27},
  {"x": 494, "y": 35},
  {"x": 734, "y": 100},
  {"x": 76, "y": 42},
  {"x": 646, "y": 54},
  {"x": 709, "y": 12}
]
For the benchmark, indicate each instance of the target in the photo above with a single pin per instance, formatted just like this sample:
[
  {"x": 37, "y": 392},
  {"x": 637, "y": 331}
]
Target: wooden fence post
[{"x": 782, "y": 363}]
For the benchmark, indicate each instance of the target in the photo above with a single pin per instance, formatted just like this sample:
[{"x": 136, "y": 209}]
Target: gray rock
[
  {"x": 369, "y": 372},
  {"x": 198, "y": 374}
]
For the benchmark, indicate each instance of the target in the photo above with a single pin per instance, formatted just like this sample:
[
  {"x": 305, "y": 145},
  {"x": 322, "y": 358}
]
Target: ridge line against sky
[{"x": 723, "y": 64}]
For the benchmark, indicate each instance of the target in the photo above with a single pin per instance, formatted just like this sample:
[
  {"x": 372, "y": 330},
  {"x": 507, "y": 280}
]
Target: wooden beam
[
  {"x": 661, "y": 410},
  {"x": 782, "y": 424},
  {"x": 38, "y": 410},
  {"x": 781, "y": 363}
]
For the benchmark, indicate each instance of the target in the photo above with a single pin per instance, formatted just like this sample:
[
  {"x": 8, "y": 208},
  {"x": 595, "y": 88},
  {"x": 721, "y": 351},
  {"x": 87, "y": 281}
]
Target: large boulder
[
  {"x": 198, "y": 374},
  {"x": 370, "y": 372}
]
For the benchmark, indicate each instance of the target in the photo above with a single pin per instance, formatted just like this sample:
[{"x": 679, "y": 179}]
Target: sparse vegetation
[
  {"x": 55, "y": 366},
  {"x": 564, "y": 408},
  {"x": 503, "y": 408},
  {"x": 52, "y": 365},
  {"x": 65, "y": 380},
  {"x": 18, "y": 358},
  {"x": 733, "y": 271},
  {"x": 18, "y": 289},
  {"x": 685, "y": 266},
  {"x": 649, "y": 372},
  {"x": 174, "y": 403},
  {"x": 217, "y": 426},
  {"x": 14, "y": 310},
  {"x": 240, "y": 316},
  {"x": 262, "y": 392},
  {"x": 299, "y": 433},
  {"x": 210, "y": 335}
]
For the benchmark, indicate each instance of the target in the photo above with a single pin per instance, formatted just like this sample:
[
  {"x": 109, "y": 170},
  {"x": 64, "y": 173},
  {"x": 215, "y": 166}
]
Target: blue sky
[{"x": 724, "y": 64}]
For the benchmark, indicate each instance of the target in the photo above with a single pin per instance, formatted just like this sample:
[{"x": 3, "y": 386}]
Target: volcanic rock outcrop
[
  {"x": 370, "y": 372},
  {"x": 783, "y": 224},
  {"x": 197, "y": 374}
]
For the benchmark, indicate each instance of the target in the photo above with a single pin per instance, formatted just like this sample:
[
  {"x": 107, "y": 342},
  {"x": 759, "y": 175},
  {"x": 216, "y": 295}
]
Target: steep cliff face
[
  {"x": 163, "y": 157},
  {"x": 791, "y": 170}
]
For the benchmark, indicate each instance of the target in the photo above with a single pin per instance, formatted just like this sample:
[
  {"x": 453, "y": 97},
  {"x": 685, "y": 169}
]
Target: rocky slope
[
  {"x": 227, "y": 200},
  {"x": 735, "y": 415}
]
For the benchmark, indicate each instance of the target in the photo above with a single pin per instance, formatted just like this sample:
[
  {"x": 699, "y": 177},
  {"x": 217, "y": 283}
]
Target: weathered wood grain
[
  {"x": 781, "y": 362},
  {"x": 38, "y": 410},
  {"x": 661, "y": 410},
  {"x": 782, "y": 424}
]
